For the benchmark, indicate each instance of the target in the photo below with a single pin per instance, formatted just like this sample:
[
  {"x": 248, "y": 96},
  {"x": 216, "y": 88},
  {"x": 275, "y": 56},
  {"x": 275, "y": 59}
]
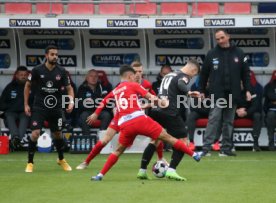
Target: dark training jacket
[{"x": 225, "y": 68}]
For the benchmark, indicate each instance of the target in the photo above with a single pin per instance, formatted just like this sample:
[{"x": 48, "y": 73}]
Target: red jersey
[
  {"x": 147, "y": 85},
  {"x": 126, "y": 98}
]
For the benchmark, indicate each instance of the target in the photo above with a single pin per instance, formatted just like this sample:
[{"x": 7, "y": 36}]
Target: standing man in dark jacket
[
  {"x": 270, "y": 110},
  {"x": 12, "y": 103},
  {"x": 91, "y": 90},
  {"x": 224, "y": 66}
]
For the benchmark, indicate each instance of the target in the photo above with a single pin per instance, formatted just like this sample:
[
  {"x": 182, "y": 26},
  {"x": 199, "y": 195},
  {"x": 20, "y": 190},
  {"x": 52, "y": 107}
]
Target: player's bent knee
[
  {"x": 35, "y": 135},
  {"x": 57, "y": 135}
]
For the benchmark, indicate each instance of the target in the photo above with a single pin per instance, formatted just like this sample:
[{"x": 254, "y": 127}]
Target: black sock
[
  {"x": 176, "y": 158},
  {"x": 147, "y": 155},
  {"x": 31, "y": 151},
  {"x": 59, "y": 144}
]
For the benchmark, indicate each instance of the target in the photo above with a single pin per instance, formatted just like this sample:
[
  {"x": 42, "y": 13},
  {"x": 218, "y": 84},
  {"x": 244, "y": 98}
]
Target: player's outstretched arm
[
  {"x": 71, "y": 95},
  {"x": 157, "y": 101},
  {"x": 27, "y": 90},
  {"x": 94, "y": 116}
]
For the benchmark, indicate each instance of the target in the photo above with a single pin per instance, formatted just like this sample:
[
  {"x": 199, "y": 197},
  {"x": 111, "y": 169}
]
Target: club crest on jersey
[
  {"x": 34, "y": 123},
  {"x": 42, "y": 76},
  {"x": 49, "y": 84},
  {"x": 58, "y": 77},
  {"x": 215, "y": 63},
  {"x": 236, "y": 59}
]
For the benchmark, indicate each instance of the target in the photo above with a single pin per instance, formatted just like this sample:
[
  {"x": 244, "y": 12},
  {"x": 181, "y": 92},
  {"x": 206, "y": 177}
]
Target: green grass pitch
[{"x": 249, "y": 177}]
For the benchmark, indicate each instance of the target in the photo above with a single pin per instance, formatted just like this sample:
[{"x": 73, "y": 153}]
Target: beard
[{"x": 53, "y": 62}]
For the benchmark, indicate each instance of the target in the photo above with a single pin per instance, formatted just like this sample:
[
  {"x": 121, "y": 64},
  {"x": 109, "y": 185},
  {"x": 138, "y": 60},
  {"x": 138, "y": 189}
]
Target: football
[{"x": 159, "y": 169}]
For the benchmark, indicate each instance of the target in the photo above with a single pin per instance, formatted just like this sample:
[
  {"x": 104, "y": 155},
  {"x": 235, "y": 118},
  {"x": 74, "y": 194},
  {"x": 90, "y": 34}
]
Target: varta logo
[
  {"x": 219, "y": 22},
  {"x": 5, "y": 44},
  {"x": 25, "y": 23},
  {"x": 178, "y": 31},
  {"x": 170, "y": 23},
  {"x": 48, "y": 32},
  {"x": 103, "y": 43},
  {"x": 264, "y": 21},
  {"x": 177, "y": 60},
  {"x": 65, "y": 60},
  {"x": 73, "y": 23},
  {"x": 251, "y": 42},
  {"x": 122, "y": 23}
]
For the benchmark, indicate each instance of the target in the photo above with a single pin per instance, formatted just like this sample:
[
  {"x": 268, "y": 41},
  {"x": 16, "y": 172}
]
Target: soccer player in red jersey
[
  {"x": 113, "y": 127},
  {"x": 131, "y": 116}
]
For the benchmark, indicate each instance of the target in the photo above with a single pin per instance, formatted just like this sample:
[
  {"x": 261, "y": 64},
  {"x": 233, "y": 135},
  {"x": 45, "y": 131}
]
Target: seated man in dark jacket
[
  {"x": 252, "y": 110},
  {"x": 92, "y": 91},
  {"x": 12, "y": 103},
  {"x": 270, "y": 110}
]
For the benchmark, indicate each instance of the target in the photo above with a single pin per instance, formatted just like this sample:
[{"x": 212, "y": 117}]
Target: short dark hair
[
  {"x": 195, "y": 63},
  {"x": 166, "y": 66},
  {"x": 126, "y": 68},
  {"x": 221, "y": 30},
  {"x": 21, "y": 68},
  {"x": 50, "y": 47}
]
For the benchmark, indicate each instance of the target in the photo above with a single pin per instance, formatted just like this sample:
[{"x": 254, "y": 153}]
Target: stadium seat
[
  {"x": 96, "y": 124},
  {"x": 273, "y": 77},
  {"x": 143, "y": 8},
  {"x": 111, "y": 9},
  {"x": 169, "y": 8},
  {"x": 243, "y": 123},
  {"x": 80, "y": 8},
  {"x": 200, "y": 9},
  {"x": 18, "y": 8},
  {"x": 237, "y": 8},
  {"x": 267, "y": 7},
  {"x": 44, "y": 8},
  {"x": 201, "y": 123}
]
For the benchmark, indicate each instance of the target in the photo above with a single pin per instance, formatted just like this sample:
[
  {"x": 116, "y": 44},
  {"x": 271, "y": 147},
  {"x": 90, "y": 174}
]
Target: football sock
[
  {"x": 31, "y": 151},
  {"x": 94, "y": 152},
  {"x": 112, "y": 159},
  {"x": 159, "y": 150},
  {"x": 181, "y": 146},
  {"x": 176, "y": 158},
  {"x": 147, "y": 155},
  {"x": 59, "y": 144}
]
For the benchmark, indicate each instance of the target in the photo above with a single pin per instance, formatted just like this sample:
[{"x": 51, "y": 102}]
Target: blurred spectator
[
  {"x": 139, "y": 71},
  {"x": 270, "y": 110},
  {"x": 252, "y": 110},
  {"x": 12, "y": 103},
  {"x": 92, "y": 91},
  {"x": 164, "y": 71}
]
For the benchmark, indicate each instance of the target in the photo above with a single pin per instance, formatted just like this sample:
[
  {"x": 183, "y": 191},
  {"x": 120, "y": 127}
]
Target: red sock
[
  {"x": 181, "y": 146},
  {"x": 94, "y": 152},
  {"x": 159, "y": 150},
  {"x": 112, "y": 159}
]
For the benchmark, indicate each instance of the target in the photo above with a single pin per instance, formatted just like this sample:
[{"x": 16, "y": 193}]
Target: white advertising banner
[
  {"x": 8, "y": 53},
  {"x": 110, "y": 48},
  {"x": 176, "y": 46},
  {"x": 32, "y": 43}
]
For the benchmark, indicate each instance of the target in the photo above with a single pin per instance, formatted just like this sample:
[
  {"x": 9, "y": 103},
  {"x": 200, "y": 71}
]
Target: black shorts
[
  {"x": 53, "y": 117},
  {"x": 174, "y": 125}
]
